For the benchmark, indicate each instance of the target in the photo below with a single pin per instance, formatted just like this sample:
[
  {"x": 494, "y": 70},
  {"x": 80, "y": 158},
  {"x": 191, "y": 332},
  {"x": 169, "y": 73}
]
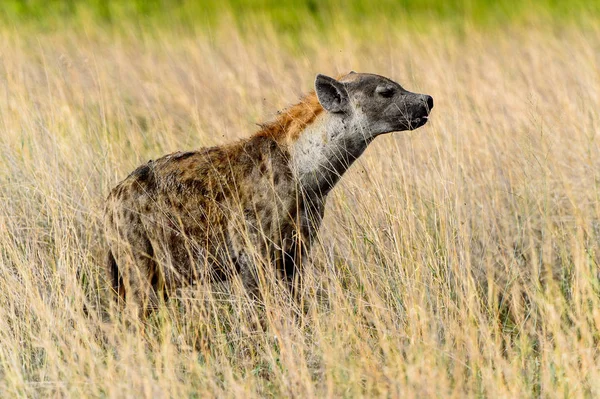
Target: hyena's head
[{"x": 373, "y": 103}]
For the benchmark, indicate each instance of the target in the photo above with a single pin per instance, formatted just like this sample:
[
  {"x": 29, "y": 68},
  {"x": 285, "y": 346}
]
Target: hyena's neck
[{"x": 323, "y": 151}]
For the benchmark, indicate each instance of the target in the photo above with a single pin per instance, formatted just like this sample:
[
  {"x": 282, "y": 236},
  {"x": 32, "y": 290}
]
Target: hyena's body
[{"x": 216, "y": 212}]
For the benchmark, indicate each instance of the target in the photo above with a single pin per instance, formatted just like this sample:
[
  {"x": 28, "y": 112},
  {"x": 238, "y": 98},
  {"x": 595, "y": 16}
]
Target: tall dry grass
[{"x": 457, "y": 260}]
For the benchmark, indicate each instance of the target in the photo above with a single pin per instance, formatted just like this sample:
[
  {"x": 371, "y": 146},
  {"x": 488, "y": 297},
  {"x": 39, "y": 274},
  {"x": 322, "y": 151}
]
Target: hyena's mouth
[{"x": 417, "y": 122}]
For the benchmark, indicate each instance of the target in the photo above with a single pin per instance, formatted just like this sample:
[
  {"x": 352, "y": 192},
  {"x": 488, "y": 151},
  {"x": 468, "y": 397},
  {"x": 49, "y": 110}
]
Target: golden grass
[{"x": 457, "y": 260}]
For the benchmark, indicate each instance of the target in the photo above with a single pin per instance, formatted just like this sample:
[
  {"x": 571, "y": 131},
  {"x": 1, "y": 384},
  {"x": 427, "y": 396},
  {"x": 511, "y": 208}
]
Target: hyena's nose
[{"x": 429, "y": 101}]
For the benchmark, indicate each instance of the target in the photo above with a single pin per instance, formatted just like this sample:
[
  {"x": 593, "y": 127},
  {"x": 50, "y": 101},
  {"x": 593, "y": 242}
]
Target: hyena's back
[{"x": 177, "y": 219}]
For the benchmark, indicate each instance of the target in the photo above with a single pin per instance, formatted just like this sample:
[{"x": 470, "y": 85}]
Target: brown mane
[{"x": 293, "y": 120}]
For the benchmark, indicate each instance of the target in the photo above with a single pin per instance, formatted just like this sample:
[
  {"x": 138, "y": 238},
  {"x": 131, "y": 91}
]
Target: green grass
[{"x": 290, "y": 16}]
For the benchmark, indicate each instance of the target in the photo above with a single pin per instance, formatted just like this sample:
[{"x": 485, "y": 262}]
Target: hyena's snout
[
  {"x": 422, "y": 105},
  {"x": 409, "y": 111}
]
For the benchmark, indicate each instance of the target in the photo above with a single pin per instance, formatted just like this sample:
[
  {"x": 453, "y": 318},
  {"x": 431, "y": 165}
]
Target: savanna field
[{"x": 457, "y": 260}]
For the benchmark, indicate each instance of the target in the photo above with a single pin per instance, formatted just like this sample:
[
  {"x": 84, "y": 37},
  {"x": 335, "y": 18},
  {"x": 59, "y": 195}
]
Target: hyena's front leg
[
  {"x": 297, "y": 246},
  {"x": 294, "y": 254}
]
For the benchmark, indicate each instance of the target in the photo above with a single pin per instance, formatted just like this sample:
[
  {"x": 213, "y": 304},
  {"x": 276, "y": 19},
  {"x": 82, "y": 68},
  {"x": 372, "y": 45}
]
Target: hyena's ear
[{"x": 332, "y": 94}]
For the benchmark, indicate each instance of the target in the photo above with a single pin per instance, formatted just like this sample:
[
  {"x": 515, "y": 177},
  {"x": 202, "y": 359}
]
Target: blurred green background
[{"x": 290, "y": 16}]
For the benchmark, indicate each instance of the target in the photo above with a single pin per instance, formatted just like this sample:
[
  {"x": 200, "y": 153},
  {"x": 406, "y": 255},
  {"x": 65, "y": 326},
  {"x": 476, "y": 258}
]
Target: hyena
[{"x": 217, "y": 212}]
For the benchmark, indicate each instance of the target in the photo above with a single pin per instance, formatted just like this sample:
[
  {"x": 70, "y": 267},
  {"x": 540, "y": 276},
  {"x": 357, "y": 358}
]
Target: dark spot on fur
[
  {"x": 144, "y": 176},
  {"x": 260, "y": 208},
  {"x": 249, "y": 214},
  {"x": 141, "y": 173},
  {"x": 219, "y": 196},
  {"x": 201, "y": 218}
]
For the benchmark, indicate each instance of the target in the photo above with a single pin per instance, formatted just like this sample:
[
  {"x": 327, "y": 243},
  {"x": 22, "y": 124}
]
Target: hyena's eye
[{"x": 386, "y": 91}]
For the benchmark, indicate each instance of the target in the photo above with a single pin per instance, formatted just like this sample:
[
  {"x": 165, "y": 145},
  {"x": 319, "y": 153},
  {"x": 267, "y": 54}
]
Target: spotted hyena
[{"x": 253, "y": 205}]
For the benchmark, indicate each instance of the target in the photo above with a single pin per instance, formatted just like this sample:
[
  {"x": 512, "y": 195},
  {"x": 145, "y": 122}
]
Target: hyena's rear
[{"x": 210, "y": 214}]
